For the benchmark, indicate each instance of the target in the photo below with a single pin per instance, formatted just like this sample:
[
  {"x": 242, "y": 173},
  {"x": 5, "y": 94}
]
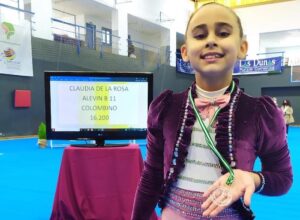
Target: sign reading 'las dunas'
[
  {"x": 242, "y": 67},
  {"x": 259, "y": 66}
]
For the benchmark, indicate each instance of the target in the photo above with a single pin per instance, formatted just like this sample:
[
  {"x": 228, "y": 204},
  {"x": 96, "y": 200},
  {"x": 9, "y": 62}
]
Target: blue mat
[{"x": 28, "y": 177}]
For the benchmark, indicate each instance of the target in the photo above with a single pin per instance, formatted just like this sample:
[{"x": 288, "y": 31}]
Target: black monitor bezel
[{"x": 108, "y": 134}]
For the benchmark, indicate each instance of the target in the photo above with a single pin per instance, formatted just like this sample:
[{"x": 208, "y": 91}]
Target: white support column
[
  {"x": 253, "y": 45},
  {"x": 42, "y": 18},
  {"x": 120, "y": 29},
  {"x": 172, "y": 46}
]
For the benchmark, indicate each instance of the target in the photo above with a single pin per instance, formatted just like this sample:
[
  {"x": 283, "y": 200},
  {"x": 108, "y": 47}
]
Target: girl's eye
[
  {"x": 200, "y": 36},
  {"x": 224, "y": 34}
]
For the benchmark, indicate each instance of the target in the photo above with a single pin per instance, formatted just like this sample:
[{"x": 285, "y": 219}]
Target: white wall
[
  {"x": 70, "y": 29},
  {"x": 144, "y": 38},
  {"x": 81, "y": 21},
  {"x": 98, "y": 22},
  {"x": 42, "y": 18},
  {"x": 177, "y": 11},
  {"x": 268, "y": 18},
  {"x": 271, "y": 17}
]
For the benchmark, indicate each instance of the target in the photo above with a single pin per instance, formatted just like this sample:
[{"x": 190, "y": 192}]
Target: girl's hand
[{"x": 220, "y": 196}]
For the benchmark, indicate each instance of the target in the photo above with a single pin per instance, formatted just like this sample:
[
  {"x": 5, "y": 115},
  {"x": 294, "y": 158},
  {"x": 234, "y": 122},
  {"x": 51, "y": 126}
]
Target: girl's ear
[
  {"x": 184, "y": 53},
  {"x": 243, "y": 49}
]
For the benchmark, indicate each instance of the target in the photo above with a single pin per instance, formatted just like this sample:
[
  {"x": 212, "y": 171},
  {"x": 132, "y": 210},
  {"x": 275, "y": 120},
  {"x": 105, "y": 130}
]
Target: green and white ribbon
[{"x": 208, "y": 138}]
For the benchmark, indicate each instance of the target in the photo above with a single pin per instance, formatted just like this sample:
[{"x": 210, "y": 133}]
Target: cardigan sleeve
[
  {"x": 151, "y": 182},
  {"x": 289, "y": 110},
  {"x": 273, "y": 149}
]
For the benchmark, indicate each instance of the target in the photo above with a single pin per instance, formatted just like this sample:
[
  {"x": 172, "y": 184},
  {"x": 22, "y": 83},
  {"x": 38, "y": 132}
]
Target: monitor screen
[{"x": 97, "y": 105}]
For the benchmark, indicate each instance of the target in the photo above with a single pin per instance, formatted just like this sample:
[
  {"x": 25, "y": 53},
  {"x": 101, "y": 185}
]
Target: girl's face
[{"x": 213, "y": 42}]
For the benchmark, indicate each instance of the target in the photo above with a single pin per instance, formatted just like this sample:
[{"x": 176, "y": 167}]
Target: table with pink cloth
[{"x": 97, "y": 183}]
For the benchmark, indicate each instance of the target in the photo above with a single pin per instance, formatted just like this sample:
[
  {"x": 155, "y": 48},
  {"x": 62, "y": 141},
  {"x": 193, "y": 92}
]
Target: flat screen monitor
[{"x": 97, "y": 105}]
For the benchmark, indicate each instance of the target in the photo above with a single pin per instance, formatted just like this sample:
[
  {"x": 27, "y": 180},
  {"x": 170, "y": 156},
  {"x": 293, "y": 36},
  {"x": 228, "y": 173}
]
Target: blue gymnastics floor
[{"x": 28, "y": 177}]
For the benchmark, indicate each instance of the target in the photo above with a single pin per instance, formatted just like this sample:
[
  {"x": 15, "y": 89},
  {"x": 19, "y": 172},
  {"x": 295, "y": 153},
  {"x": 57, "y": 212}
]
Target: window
[{"x": 106, "y": 36}]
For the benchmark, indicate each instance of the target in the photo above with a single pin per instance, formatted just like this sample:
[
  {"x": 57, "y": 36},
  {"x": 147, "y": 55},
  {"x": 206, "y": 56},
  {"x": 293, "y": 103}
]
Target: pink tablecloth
[{"x": 97, "y": 183}]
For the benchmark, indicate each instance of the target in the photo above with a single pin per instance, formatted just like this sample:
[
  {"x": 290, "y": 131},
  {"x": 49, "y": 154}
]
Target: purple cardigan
[{"x": 258, "y": 130}]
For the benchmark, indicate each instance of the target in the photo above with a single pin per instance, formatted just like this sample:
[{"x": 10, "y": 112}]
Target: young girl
[{"x": 202, "y": 143}]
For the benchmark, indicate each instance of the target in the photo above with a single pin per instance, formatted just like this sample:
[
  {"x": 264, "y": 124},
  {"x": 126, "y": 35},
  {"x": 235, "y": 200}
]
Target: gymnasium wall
[{"x": 49, "y": 55}]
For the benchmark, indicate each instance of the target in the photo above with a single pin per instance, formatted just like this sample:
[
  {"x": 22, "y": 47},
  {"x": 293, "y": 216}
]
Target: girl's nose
[
  {"x": 211, "y": 44},
  {"x": 211, "y": 41}
]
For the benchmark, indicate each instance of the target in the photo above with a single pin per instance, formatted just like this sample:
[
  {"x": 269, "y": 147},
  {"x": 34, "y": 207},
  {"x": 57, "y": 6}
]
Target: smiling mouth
[{"x": 209, "y": 56}]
